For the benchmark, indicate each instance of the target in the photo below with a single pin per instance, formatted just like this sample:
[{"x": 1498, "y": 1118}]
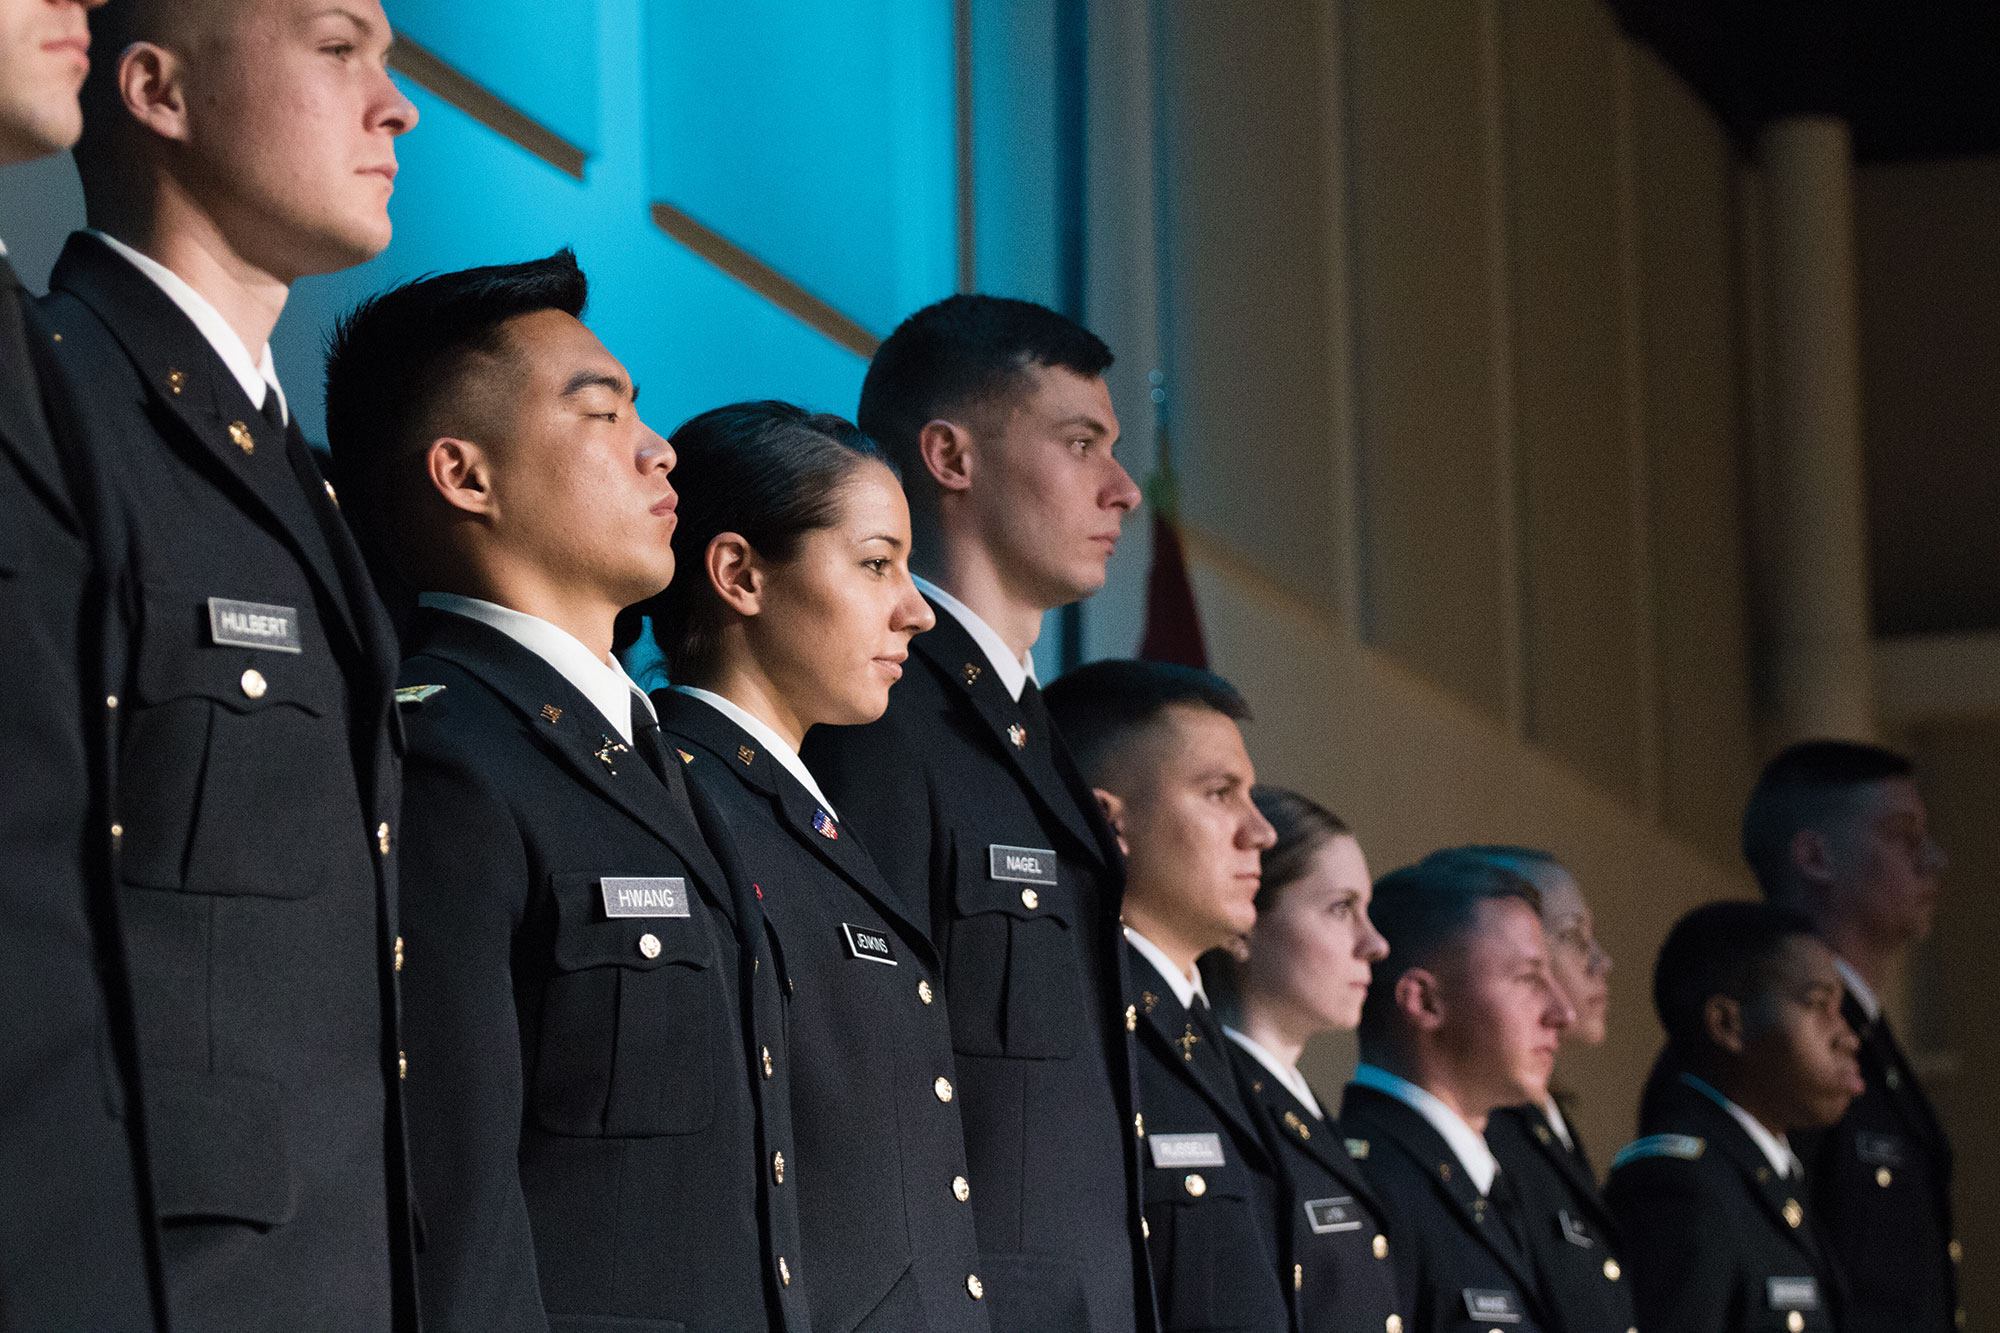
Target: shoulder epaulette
[
  {"x": 410, "y": 696},
  {"x": 1358, "y": 1149},
  {"x": 1686, "y": 1147}
]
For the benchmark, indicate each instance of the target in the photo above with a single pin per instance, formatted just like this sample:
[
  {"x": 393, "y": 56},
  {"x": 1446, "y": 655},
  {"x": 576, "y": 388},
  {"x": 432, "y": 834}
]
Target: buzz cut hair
[
  {"x": 1102, "y": 707},
  {"x": 1807, "y": 786},
  {"x": 1722, "y": 948}
]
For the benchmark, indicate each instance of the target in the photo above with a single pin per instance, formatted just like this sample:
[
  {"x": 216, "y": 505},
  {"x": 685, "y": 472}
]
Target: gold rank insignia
[
  {"x": 971, "y": 673},
  {"x": 746, "y": 754},
  {"x": 551, "y": 714},
  {"x": 686, "y": 758},
  {"x": 607, "y": 753},
  {"x": 409, "y": 696},
  {"x": 1149, "y": 999},
  {"x": 1187, "y": 1041},
  {"x": 1019, "y": 735},
  {"x": 176, "y": 381},
  {"x": 239, "y": 435}
]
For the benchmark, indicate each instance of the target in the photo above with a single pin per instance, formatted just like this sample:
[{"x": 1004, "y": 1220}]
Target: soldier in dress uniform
[
  {"x": 1721, "y": 1235},
  {"x": 586, "y": 984},
  {"x": 1839, "y": 831},
  {"x": 75, "y": 1227},
  {"x": 996, "y": 413},
  {"x": 230, "y": 149},
  {"x": 1305, "y": 969},
  {"x": 1462, "y": 1019},
  {"x": 1570, "y": 1232},
  {"x": 1159, "y": 745},
  {"x": 794, "y": 608}
]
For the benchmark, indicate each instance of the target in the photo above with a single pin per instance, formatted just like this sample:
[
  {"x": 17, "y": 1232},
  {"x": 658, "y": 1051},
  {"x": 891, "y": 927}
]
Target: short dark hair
[
  {"x": 1424, "y": 909},
  {"x": 395, "y": 366},
  {"x": 1722, "y": 948},
  {"x": 1803, "y": 786},
  {"x": 769, "y": 472},
  {"x": 1101, "y": 706},
  {"x": 961, "y": 354}
]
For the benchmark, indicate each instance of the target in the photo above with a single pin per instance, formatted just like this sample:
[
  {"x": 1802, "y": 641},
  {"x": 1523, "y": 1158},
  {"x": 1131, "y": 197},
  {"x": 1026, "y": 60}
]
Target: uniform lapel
[
  {"x": 1880, "y": 1048},
  {"x": 1784, "y": 1201},
  {"x": 24, "y": 424},
  {"x": 1172, "y": 1032},
  {"x": 1571, "y": 1167},
  {"x": 1294, "y": 1122}
]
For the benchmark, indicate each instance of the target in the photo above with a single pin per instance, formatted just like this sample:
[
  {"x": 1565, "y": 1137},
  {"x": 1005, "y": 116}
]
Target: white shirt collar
[
  {"x": 1776, "y": 1148},
  {"x": 1289, "y": 1075},
  {"x": 1466, "y": 1143},
  {"x": 770, "y": 740},
  {"x": 604, "y": 683},
  {"x": 1014, "y": 672},
  {"x": 1185, "y": 989},
  {"x": 1863, "y": 993},
  {"x": 1557, "y": 1123},
  {"x": 257, "y": 374}
]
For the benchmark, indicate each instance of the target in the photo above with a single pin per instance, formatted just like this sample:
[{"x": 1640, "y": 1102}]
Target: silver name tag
[
  {"x": 1329, "y": 1215},
  {"x": 1792, "y": 1293},
  {"x": 1022, "y": 865},
  {"x": 254, "y": 625},
  {"x": 644, "y": 897},
  {"x": 1179, "y": 1150},
  {"x": 1490, "y": 1307}
]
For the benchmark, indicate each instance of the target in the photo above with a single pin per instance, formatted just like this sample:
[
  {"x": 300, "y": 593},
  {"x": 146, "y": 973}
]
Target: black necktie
[
  {"x": 1507, "y": 1207},
  {"x": 273, "y": 411},
  {"x": 647, "y": 740}
]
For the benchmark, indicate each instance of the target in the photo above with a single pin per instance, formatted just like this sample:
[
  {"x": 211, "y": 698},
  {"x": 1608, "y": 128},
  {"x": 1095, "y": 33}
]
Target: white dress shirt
[
  {"x": 1466, "y": 1143},
  {"x": 1186, "y": 989},
  {"x": 1289, "y": 1075},
  {"x": 1014, "y": 672},
  {"x": 602, "y": 682},
  {"x": 768, "y": 738},
  {"x": 258, "y": 375},
  {"x": 1776, "y": 1148},
  {"x": 1863, "y": 993}
]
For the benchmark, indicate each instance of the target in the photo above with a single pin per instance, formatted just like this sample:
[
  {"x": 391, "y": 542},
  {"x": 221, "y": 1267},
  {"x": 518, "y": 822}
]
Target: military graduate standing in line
[
  {"x": 585, "y": 984},
  {"x": 230, "y": 149},
  {"x": 1574, "y": 1239},
  {"x": 1160, "y": 746},
  {"x": 75, "y": 1225},
  {"x": 1712, "y": 1200},
  {"x": 1462, "y": 1019},
  {"x": 1305, "y": 969},
  {"x": 1839, "y": 831},
  {"x": 997, "y": 415},
  {"x": 793, "y": 609}
]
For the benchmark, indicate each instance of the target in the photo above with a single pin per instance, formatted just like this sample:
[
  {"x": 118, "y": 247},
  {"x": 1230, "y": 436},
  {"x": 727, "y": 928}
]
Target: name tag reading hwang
[
  {"x": 1021, "y": 865},
  {"x": 1179, "y": 1150},
  {"x": 644, "y": 897},
  {"x": 253, "y": 625}
]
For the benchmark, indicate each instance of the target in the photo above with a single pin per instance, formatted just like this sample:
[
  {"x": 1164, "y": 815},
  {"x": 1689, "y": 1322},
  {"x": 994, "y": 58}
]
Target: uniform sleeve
[
  {"x": 1681, "y": 1259},
  {"x": 464, "y": 889},
  {"x": 877, "y": 779}
]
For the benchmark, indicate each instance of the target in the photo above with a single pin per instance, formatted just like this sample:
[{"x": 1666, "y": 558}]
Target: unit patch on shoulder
[
  {"x": 1686, "y": 1147},
  {"x": 409, "y": 696}
]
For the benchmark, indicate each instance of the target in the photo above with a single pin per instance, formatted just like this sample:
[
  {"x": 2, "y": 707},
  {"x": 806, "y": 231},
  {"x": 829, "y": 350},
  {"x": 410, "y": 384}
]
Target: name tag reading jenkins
[
  {"x": 1022, "y": 865},
  {"x": 1330, "y": 1215},
  {"x": 644, "y": 897},
  {"x": 253, "y": 625},
  {"x": 869, "y": 945}
]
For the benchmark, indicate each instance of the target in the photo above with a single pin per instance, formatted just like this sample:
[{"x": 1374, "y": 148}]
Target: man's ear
[
  {"x": 1420, "y": 999},
  {"x": 460, "y": 472},
  {"x": 1722, "y": 1020},
  {"x": 1811, "y": 855},
  {"x": 150, "y": 84},
  {"x": 735, "y": 573},
  {"x": 946, "y": 448},
  {"x": 1114, "y": 815}
]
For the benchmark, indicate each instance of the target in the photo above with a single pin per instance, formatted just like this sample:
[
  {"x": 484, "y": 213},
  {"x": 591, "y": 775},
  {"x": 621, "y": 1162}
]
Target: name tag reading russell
[
  {"x": 869, "y": 945},
  {"x": 1792, "y": 1293},
  {"x": 1491, "y": 1307},
  {"x": 644, "y": 897},
  {"x": 253, "y": 625},
  {"x": 1179, "y": 1150},
  {"x": 1330, "y": 1215},
  {"x": 1021, "y": 865}
]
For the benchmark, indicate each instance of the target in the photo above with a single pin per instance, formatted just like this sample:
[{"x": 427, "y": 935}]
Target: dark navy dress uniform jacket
[
  {"x": 1033, "y": 970},
  {"x": 883, "y": 1195},
  {"x": 589, "y": 1136},
  {"x": 1571, "y": 1235},
  {"x": 257, "y": 794}
]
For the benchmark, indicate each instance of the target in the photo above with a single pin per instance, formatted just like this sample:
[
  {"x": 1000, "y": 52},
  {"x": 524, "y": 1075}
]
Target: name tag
[
  {"x": 1792, "y": 1293},
  {"x": 644, "y": 897},
  {"x": 1328, "y": 1215},
  {"x": 1491, "y": 1307},
  {"x": 1021, "y": 865},
  {"x": 1880, "y": 1149},
  {"x": 253, "y": 625},
  {"x": 1178, "y": 1150},
  {"x": 868, "y": 945}
]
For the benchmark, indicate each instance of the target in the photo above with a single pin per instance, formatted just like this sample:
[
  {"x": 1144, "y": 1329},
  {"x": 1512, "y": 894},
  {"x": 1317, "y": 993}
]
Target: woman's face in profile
[{"x": 1313, "y": 950}]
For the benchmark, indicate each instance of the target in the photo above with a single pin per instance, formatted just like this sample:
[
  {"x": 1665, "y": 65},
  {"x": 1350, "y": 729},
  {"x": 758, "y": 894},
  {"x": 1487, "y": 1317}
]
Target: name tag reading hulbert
[
  {"x": 644, "y": 897},
  {"x": 1022, "y": 865},
  {"x": 1180, "y": 1150},
  {"x": 1792, "y": 1293},
  {"x": 1491, "y": 1307},
  {"x": 868, "y": 945},
  {"x": 253, "y": 625},
  {"x": 1329, "y": 1215}
]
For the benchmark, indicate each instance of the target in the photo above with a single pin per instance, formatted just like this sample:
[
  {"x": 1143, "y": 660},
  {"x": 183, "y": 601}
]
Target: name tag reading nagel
[
  {"x": 1792, "y": 1293},
  {"x": 869, "y": 945},
  {"x": 1491, "y": 1307},
  {"x": 644, "y": 897},
  {"x": 1022, "y": 865},
  {"x": 1179, "y": 1150},
  {"x": 1330, "y": 1215},
  {"x": 253, "y": 625}
]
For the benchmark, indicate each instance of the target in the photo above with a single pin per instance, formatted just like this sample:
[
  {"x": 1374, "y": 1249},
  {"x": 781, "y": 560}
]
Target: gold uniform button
[
  {"x": 924, "y": 991},
  {"x": 254, "y": 684},
  {"x": 777, "y": 1168},
  {"x": 1393, "y": 1324},
  {"x": 1298, "y": 1277},
  {"x": 768, "y": 1067},
  {"x": 1794, "y": 1215},
  {"x": 1145, "y": 1229},
  {"x": 649, "y": 945},
  {"x": 399, "y": 953},
  {"x": 1196, "y": 1186},
  {"x": 110, "y": 701},
  {"x": 1796, "y": 1322},
  {"x": 961, "y": 1188},
  {"x": 1883, "y": 1176},
  {"x": 1381, "y": 1246},
  {"x": 975, "y": 1286},
  {"x": 784, "y": 1271},
  {"x": 1131, "y": 1018},
  {"x": 1612, "y": 1271},
  {"x": 942, "y": 1088},
  {"x": 382, "y": 838},
  {"x": 1030, "y": 899},
  {"x": 402, "y": 1065},
  {"x": 117, "y": 830},
  {"x": 1139, "y": 1124}
]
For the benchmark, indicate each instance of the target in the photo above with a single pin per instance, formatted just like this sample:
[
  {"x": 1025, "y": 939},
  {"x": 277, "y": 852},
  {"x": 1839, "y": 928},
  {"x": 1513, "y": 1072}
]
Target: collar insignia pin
[
  {"x": 551, "y": 714},
  {"x": 686, "y": 758},
  {"x": 1187, "y": 1041},
  {"x": 746, "y": 754},
  {"x": 824, "y": 826},
  {"x": 176, "y": 381},
  {"x": 239, "y": 435},
  {"x": 1019, "y": 735},
  {"x": 606, "y": 751},
  {"x": 971, "y": 673}
]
